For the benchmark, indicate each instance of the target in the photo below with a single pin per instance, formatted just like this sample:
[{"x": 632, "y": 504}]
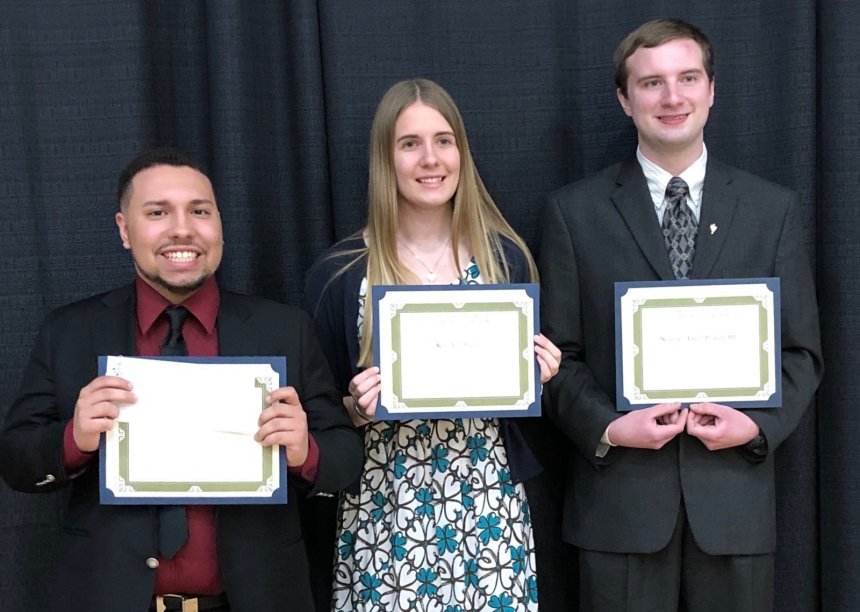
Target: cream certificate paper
[
  {"x": 459, "y": 351},
  {"x": 189, "y": 437},
  {"x": 699, "y": 341}
]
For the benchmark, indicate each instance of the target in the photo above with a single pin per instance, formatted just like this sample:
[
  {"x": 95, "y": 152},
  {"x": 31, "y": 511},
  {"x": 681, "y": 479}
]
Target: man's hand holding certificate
[
  {"x": 200, "y": 430},
  {"x": 284, "y": 422},
  {"x": 698, "y": 342}
]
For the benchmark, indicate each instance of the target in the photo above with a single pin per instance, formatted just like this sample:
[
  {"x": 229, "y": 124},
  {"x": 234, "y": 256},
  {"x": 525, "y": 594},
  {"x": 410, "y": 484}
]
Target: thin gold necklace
[{"x": 431, "y": 271}]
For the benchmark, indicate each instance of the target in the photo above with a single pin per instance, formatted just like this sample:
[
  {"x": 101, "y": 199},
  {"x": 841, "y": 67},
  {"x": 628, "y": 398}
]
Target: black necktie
[
  {"x": 174, "y": 342},
  {"x": 679, "y": 228},
  {"x": 172, "y": 522}
]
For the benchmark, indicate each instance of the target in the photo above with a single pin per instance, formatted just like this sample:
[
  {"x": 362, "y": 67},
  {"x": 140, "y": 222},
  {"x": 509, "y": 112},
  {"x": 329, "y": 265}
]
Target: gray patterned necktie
[{"x": 679, "y": 228}]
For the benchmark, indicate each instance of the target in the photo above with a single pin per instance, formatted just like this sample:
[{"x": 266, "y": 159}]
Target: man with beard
[{"x": 239, "y": 557}]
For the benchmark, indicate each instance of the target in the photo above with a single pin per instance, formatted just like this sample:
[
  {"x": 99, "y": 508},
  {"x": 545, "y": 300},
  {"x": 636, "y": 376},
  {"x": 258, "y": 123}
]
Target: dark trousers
[{"x": 679, "y": 577}]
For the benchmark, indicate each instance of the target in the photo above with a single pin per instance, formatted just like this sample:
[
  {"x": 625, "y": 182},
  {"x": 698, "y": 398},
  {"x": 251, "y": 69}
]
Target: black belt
[{"x": 187, "y": 603}]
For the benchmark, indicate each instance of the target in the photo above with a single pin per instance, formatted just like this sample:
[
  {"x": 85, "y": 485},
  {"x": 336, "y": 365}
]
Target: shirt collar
[
  {"x": 202, "y": 304},
  {"x": 658, "y": 178}
]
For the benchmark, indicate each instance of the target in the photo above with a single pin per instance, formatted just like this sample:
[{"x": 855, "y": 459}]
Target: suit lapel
[
  {"x": 633, "y": 201},
  {"x": 112, "y": 329},
  {"x": 720, "y": 199},
  {"x": 233, "y": 335}
]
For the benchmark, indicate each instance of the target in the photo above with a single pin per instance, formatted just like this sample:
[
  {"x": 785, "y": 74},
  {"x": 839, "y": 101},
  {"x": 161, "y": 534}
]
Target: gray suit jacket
[
  {"x": 603, "y": 229},
  {"x": 104, "y": 548}
]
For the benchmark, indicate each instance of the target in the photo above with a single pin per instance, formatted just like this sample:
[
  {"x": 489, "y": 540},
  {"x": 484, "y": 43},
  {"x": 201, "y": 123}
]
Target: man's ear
[
  {"x": 123, "y": 230},
  {"x": 625, "y": 103}
]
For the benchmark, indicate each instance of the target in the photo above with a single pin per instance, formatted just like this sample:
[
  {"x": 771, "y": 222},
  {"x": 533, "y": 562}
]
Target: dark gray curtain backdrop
[{"x": 276, "y": 98}]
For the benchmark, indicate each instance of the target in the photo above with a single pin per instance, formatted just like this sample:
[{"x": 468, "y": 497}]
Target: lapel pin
[{"x": 713, "y": 228}]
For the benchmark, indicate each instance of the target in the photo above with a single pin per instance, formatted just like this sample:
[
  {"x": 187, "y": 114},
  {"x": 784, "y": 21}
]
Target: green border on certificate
[
  {"x": 189, "y": 437},
  {"x": 456, "y": 351},
  {"x": 397, "y": 347},
  {"x": 699, "y": 341},
  {"x": 124, "y": 435}
]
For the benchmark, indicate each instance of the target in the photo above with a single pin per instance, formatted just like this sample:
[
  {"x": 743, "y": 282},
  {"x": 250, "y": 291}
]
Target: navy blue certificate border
[
  {"x": 278, "y": 496},
  {"x": 773, "y": 284},
  {"x": 532, "y": 290}
]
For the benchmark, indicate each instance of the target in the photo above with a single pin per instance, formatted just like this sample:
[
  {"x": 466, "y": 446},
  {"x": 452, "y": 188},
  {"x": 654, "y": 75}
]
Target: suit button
[{"x": 152, "y": 563}]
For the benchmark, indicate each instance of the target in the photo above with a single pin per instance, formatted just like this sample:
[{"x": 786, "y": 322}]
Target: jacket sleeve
[
  {"x": 341, "y": 452},
  {"x": 802, "y": 363},
  {"x": 31, "y": 441},
  {"x": 576, "y": 403}
]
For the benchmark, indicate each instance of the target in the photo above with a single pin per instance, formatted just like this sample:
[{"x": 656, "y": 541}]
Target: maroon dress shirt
[{"x": 194, "y": 569}]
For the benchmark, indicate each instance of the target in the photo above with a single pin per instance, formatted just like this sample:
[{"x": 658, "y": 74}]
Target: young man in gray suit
[
  {"x": 230, "y": 557},
  {"x": 670, "y": 506}
]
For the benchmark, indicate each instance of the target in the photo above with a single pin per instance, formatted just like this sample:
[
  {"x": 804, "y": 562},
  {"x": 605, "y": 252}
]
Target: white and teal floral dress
[{"x": 437, "y": 524}]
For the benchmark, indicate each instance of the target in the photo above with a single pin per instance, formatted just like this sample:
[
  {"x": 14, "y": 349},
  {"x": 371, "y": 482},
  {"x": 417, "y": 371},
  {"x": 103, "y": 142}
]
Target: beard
[{"x": 184, "y": 290}]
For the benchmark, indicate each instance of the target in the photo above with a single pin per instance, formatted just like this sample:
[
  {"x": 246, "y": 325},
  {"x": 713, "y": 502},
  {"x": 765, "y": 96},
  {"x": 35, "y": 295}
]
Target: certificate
[
  {"x": 189, "y": 437},
  {"x": 456, "y": 351},
  {"x": 698, "y": 341}
]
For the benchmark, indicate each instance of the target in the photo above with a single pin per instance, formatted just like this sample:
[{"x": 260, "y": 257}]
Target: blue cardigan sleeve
[
  {"x": 522, "y": 461},
  {"x": 332, "y": 302},
  {"x": 331, "y": 298}
]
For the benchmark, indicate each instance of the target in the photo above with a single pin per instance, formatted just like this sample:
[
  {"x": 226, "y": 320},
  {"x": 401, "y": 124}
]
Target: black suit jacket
[
  {"x": 105, "y": 548},
  {"x": 604, "y": 229}
]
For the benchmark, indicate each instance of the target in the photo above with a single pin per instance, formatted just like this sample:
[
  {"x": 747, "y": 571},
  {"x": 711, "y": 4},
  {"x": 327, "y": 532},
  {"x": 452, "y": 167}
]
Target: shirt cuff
[
  {"x": 758, "y": 445},
  {"x": 605, "y": 444},
  {"x": 310, "y": 468},
  {"x": 74, "y": 459}
]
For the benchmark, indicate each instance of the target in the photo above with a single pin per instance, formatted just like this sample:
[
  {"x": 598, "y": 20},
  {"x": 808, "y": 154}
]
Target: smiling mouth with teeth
[
  {"x": 435, "y": 179},
  {"x": 181, "y": 256}
]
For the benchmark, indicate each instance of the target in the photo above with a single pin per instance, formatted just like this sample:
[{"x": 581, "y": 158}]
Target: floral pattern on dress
[{"x": 437, "y": 524}]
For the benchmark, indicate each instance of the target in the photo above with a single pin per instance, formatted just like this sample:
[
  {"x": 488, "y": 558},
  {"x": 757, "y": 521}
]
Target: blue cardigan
[{"x": 334, "y": 309}]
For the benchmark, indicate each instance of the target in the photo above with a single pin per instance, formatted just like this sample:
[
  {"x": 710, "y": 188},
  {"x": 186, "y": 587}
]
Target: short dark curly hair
[{"x": 162, "y": 156}]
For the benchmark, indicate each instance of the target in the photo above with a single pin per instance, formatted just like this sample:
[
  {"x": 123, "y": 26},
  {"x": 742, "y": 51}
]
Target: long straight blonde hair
[{"x": 476, "y": 218}]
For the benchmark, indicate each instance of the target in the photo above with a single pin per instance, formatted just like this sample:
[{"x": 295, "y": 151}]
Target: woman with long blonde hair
[{"x": 439, "y": 518}]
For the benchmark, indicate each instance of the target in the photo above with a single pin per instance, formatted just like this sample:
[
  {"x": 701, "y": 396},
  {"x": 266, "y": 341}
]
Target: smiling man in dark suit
[
  {"x": 670, "y": 507},
  {"x": 230, "y": 557}
]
